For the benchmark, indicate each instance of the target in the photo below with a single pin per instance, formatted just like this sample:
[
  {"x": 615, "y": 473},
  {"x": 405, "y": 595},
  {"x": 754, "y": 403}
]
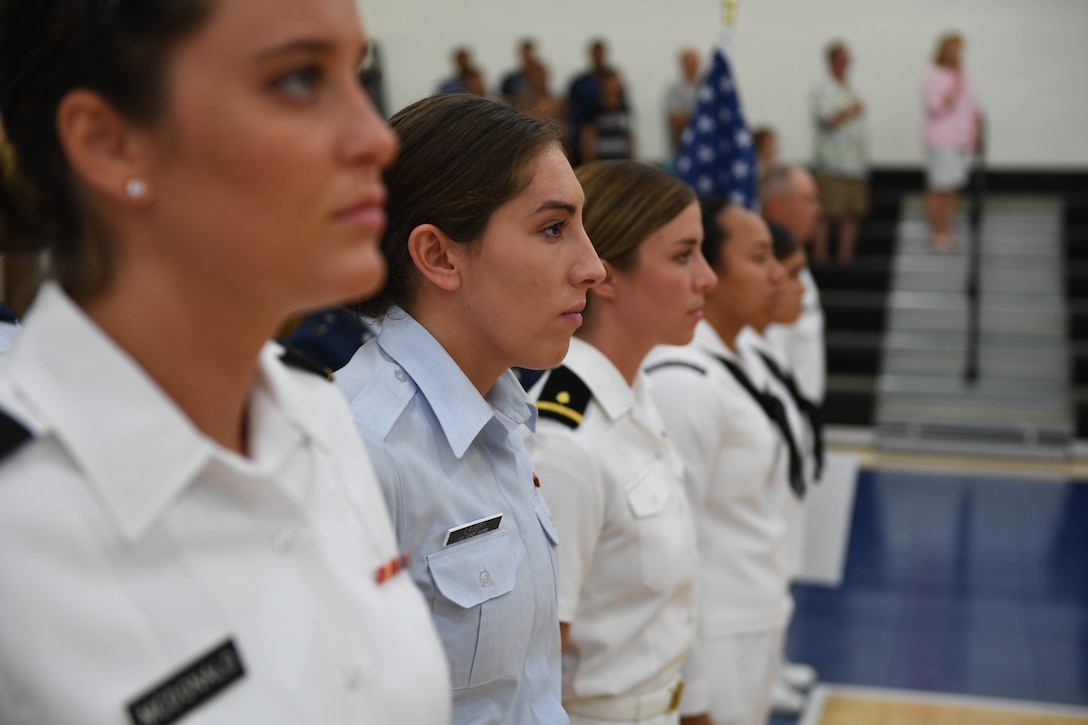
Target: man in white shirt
[
  {"x": 681, "y": 96},
  {"x": 841, "y": 157}
]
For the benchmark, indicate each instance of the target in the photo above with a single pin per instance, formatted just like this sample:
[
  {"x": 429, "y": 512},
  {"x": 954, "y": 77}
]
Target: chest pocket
[
  {"x": 664, "y": 525},
  {"x": 478, "y": 611}
]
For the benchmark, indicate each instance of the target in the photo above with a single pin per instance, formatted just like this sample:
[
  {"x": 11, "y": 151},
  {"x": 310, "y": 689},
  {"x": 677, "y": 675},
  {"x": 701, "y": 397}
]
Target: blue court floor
[{"x": 956, "y": 583}]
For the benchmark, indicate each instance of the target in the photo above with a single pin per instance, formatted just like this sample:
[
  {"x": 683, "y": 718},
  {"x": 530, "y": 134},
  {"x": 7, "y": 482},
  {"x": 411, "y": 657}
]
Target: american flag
[{"x": 716, "y": 152}]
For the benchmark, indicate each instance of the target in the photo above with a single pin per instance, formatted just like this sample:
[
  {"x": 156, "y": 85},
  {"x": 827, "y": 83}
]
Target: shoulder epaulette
[
  {"x": 293, "y": 358},
  {"x": 12, "y": 435},
  {"x": 7, "y": 314},
  {"x": 675, "y": 364},
  {"x": 564, "y": 397}
]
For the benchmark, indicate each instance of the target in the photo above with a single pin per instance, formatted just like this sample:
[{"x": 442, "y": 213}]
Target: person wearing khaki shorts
[
  {"x": 841, "y": 159},
  {"x": 843, "y": 197}
]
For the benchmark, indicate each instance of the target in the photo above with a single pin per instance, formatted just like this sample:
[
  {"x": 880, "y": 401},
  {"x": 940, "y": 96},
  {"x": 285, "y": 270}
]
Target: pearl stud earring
[{"x": 135, "y": 188}]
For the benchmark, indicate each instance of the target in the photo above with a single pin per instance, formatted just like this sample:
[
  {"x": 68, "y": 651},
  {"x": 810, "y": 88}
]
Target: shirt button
[
  {"x": 352, "y": 677},
  {"x": 485, "y": 578},
  {"x": 400, "y": 376},
  {"x": 284, "y": 541}
]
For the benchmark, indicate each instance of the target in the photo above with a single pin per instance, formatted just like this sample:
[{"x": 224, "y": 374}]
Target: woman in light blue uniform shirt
[{"x": 489, "y": 267}]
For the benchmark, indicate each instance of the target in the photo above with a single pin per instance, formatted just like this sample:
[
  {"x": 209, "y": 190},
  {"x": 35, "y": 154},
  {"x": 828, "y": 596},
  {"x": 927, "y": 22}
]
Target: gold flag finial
[{"x": 729, "y": 12}]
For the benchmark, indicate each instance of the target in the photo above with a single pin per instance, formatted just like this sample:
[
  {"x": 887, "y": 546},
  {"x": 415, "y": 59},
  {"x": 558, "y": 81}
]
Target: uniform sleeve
[
  {"x": 688, "y": 406},
  {"x": 571, "y": 483}
]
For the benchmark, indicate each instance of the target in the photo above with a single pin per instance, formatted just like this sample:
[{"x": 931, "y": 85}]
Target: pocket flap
[
  {"x": 472, "y": 572},
  {"x": 648, "y": 497},
  {"x": 546, "y": 522}
]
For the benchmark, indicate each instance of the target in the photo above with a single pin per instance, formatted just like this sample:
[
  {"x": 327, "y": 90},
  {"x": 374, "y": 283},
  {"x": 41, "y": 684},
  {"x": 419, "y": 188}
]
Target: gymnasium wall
[{"x": 1029, "y": 61}]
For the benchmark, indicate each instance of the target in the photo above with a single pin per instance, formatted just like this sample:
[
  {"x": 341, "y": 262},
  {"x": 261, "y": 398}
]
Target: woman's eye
[
  {"x": 684, "y": 257},
  {"x": 554, "y": 231},
  {"x": 299, "y": 84}
]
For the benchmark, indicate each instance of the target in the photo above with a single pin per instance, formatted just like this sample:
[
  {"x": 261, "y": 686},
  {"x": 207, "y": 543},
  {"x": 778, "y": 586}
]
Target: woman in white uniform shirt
[
  {"x": 744, "y": 469},
  {"x": 805, "y": 424},
  {"x": 189, "y": 528},
  {"x": 627, "y": 561},
  {"x": 489, "y": 269},
  {"x": 804, "y": 415}
]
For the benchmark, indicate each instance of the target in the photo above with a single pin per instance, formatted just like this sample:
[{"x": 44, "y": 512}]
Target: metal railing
[{"x": 974, "y": 262}]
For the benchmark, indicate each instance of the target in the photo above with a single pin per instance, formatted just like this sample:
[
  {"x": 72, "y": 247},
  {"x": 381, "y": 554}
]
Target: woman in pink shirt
[{"x": 951, "y": 135}]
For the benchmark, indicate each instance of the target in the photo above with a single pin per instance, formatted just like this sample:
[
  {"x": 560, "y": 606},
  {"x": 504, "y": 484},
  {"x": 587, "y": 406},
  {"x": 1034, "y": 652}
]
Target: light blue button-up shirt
[{"x": 446, "y": 457}]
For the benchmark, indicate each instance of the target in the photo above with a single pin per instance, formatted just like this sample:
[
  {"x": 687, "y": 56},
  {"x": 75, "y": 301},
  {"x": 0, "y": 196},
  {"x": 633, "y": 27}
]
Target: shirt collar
[
  {"x": 129, "y": 438},
  {"x": 709, "y": 341},
  {"x": 609, "y": 387},
  {"x": 137, "y": 448},
  {"x": 460, "y": 409}
]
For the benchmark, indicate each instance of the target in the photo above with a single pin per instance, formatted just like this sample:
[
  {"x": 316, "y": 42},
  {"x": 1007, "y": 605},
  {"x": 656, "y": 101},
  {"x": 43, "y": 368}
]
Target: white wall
[{"x": 1028, "y": 59}]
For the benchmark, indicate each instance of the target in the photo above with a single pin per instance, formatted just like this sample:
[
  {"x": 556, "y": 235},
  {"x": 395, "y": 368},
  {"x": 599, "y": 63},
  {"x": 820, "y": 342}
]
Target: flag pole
[{"x": 729, "y": 12}]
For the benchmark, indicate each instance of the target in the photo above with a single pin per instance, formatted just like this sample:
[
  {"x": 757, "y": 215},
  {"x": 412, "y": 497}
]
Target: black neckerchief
[
  {"x": 776, "y": 412},
  {"x": 806, "y": 406}
]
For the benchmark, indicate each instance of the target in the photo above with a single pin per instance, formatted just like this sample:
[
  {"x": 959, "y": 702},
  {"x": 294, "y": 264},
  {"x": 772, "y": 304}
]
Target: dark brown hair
[
  {"x": 626, "y": 201},
  {"x": 715, "y": 235},
  {"x": 116, "y": 48},
  {"x": 461, "y": 158}
]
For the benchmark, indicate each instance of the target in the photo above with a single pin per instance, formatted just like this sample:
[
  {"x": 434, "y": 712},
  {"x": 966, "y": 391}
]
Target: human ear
[
  {"x": 435, "y": 257},
  {"x": 104, "y": 150},
  {"x": 606, "y": 288}
]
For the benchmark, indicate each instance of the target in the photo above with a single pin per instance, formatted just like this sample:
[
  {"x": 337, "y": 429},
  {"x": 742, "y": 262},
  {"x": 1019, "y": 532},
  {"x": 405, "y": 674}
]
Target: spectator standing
[
  {"x": 681, "y": 96},
  {"x": 517, "y": 81},
  {"x": 584, "y": 97},
  {"x": 951, "y": 136},
  {"x": 608, "y": 129},
  {"x": 537, "y": 99},
  {"x": 841, "y": 159},
  {"x": 462, "y": 67},
  {"x": 765, "y": 139}
]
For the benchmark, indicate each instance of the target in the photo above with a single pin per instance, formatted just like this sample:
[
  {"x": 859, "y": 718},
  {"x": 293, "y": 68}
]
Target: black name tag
[
  {"x": 190, "y": 687},
  {"x": 472, "y": 528}
]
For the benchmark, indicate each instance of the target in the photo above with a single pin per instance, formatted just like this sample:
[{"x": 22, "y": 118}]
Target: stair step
[
  {"x": 974, "y": 440},
  {"x": 1002, "y": 322},
  {"x": 957, "y": 413},
  {"x": 1008, "y": 282},
  {"x": 1029, "y": 393},
  {"x": 950, "y": 363},
  {"x": 997, "y": 343}
]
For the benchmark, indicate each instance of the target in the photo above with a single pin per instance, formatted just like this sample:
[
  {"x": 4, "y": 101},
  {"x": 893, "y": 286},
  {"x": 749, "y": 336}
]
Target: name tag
[
  {"x": 193, "y": 685},
  {"x": 472, "y": 528}
]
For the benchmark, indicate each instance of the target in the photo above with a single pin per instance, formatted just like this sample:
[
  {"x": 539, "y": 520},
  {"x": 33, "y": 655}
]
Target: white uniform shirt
[
  {"x": 803, "y": 342},
  {"x": 738, "y": 483},
  {"x": 627, "y": 561},
  {"x": 132, "y": 545},
  {"x": 446, "y": 457},
  {"x": 751, "y": 344}
]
